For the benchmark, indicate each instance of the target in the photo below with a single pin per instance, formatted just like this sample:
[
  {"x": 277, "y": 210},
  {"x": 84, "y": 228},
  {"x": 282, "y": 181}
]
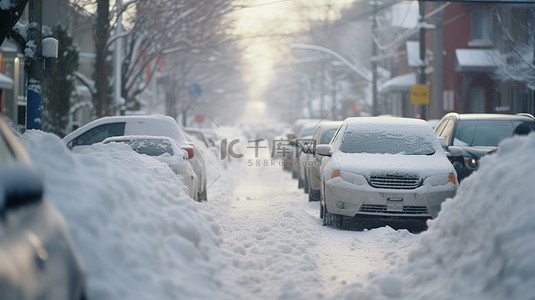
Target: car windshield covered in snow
[
  {"x": 385, "y": 142},
  {"x": 483, "y": 132}
]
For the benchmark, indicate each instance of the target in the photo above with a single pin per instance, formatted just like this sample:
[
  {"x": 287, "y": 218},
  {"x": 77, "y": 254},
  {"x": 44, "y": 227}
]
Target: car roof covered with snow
[{"x": 153, "y": 125}]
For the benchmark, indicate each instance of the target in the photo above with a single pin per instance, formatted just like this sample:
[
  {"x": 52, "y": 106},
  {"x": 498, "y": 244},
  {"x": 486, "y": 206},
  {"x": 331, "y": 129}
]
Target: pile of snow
[
  {"x": 482, "y": 243},
  {"x": 138, "y": 233}
]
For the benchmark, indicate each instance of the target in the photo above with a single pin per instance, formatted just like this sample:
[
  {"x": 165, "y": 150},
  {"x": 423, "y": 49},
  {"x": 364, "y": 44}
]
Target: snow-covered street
[
  {"x": 274, "y": 243},
  {"x": 140, "y": 236}
]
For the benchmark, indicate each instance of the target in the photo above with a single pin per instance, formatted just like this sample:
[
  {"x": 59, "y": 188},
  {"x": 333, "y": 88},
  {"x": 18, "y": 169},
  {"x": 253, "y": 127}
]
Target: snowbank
[
  {"x": 482, "y": 243},
  {"x": 129, "y": 216}
]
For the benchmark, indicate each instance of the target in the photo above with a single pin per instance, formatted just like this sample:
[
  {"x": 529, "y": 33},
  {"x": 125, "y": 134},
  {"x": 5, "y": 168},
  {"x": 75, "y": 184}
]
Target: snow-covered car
[
  {"x": 311, "y": 162},
  {"x": 166, "y": 150},
  {"x": 37, "y": 255},
  {"x": 301, "y": 141},
  {"x": 304, "y": 141},
  {"x": 479, "y": 134},
  {"x": 199, "y": 135},
  {"x": 291, "y": 135},
  {"x": 384, "y": 170},
  {"x": 152, "y": 125}
]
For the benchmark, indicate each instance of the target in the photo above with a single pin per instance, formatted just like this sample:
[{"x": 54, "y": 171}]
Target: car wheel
[
  {"x": 322, "y": 214},
  {"x": 204, "y": 194},
  {"x": 305, "y": 183},
  {"x": 294, "y": 175},
  {"x": 329, "y": 219},
  {"x": 313, "y": 195},
  {"x": 299, "y": 183}
]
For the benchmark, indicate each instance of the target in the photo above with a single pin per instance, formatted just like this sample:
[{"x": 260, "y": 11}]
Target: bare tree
[
  {"x": 166, "y": 28},
  {"x": 156, "y": 29},
  {"x": 515, "y": 39}
]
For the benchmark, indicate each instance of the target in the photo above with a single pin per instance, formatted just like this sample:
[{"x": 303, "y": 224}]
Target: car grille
[
  {"x": 394, "y": 182},
  {"x": 378, "y": 208}
]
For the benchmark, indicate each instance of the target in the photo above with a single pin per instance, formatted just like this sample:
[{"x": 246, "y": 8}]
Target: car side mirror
[
  {"x": 454, "y": 151},
  {"x": 324, "y": 150},
  {"x": 20, "y": 184}
]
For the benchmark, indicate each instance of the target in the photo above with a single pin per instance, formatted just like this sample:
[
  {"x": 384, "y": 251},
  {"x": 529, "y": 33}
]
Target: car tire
[
  {"x": 329, "y": 219},
  {"x": 299, "y": 183},
  {"x": 294, "y": 175},
  {"x": 322, "y": 214},
  {"x": 204, "y": 195},
  {"x": 313, "y": 195},
  {"x": 305, "y": 183}
]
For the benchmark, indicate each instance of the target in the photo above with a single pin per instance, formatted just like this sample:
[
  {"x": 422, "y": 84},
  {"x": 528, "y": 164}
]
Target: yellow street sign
[{"x": 420, "y": 94}]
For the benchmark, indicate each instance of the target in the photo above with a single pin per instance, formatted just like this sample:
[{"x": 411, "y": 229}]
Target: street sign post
[{"x": 420, "y": 94}]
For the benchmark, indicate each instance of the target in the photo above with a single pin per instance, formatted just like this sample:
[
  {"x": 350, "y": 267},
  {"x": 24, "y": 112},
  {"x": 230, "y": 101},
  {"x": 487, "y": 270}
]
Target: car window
[
  {"x": 317, "y": 134},
  {"x": 483, "y": 132},
  {"x": 336, "y": 134},
  {"x": 307, "y": 131},
  {"x": 327, "y": 135},
  {"x": 98, "y": 134},
  {"x": 383, "y": 142}
]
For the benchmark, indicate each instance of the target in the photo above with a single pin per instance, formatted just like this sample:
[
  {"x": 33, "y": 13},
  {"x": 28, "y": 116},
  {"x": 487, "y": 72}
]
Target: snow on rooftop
[
  {"x": 475, "y": 59},
  {"x": 401, "y": 83}
]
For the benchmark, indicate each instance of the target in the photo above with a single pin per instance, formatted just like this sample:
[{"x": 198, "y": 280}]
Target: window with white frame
[{"x": 480, "y": 27}]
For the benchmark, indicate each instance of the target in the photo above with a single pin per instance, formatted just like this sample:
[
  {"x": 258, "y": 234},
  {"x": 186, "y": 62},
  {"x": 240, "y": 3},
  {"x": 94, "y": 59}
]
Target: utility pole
[
  {"x": 117, "y": 63},
  {"x": 34, "y": 102},
  {"x": 375, "y": 109},
  {"x": 436, "y": 106},
  {"x": 421, "y": 4}
]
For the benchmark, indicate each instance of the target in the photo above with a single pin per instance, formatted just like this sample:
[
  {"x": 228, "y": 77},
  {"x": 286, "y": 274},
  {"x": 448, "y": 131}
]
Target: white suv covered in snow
[
  {"x": 153, "y": 125},
  {"x": 384, "y": 170}
]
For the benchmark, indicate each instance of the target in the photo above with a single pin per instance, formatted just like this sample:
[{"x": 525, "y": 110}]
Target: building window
[
  {"x": 480, "y": 28},
  {"x": 21, "y": 115},
  {"x": 530, "y": 32}
]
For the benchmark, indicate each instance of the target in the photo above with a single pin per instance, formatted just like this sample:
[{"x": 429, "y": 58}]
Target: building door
[{"x": 477, "y": 99}]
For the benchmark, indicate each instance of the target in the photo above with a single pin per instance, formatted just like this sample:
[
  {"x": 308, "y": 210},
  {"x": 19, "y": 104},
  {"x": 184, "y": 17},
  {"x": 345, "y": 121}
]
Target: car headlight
[
  {"x": 471, "y": 162},
  {"x": 441, "y": 179},
  {"x": 350, "y": 177}
]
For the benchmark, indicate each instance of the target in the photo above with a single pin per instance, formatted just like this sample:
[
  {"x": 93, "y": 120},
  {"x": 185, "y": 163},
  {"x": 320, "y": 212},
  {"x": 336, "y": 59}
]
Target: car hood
[
  {"x": 477, "y": 152},
  {"x": 393, "y": 164}
]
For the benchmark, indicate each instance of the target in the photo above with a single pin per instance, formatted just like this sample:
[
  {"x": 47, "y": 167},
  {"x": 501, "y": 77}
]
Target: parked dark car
[
  {"x": 37, "y": 256},
  {"x": 478, "y": 135}
]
